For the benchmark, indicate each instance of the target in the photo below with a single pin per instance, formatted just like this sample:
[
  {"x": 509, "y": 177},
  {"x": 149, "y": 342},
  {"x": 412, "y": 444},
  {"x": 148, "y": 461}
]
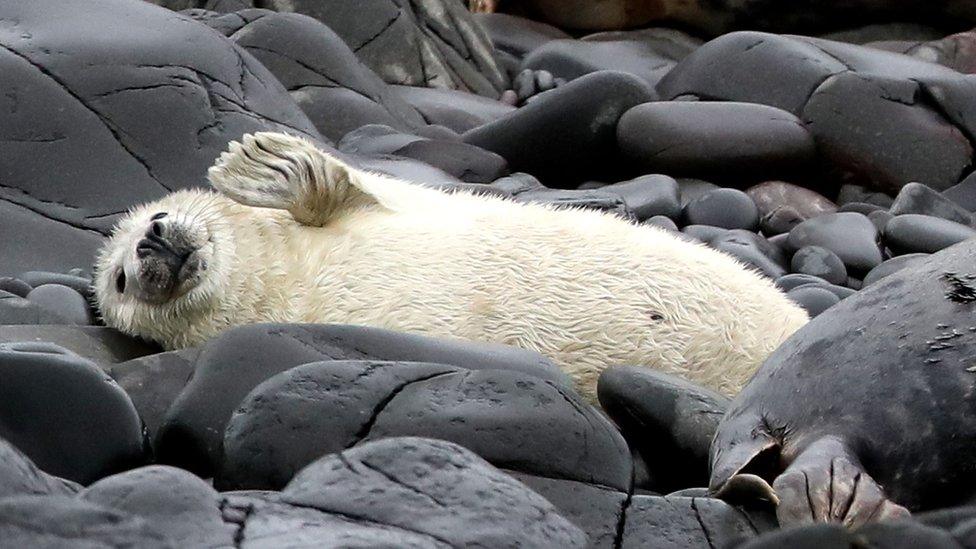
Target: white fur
[{"x": 587, "y": 289}]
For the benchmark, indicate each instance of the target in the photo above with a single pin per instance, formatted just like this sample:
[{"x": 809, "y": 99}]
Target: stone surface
[
  {"x": 916, "y": 198},
  {"x": 517, "y": 35},
  {"x": 821, "y": 262},
  {"x": 915, "y": 233},
  {"x": 648, "y": 196},
  {"x": 680, "y": 522},
  {"x": 715, "y": 139},
  {"x": 140, "y": 112},
  {"x": 103, "y": 346},
  {"x": 64, "y": 302},
  {"x": 668, "y": 420},
  {"x": 153, "y": 382},
  {"x": 238, "y": 360},
  {"x": 20, "y": 477},
  {"x": 850, "y": 235},
  {"x": 725, "y": 208},
  {"x": 752, "y": 250},
  {"x": 433, "y": 44},
  {"x": 583, "y": 113},
  {"x": 457, "y": 110},
  {"x": 336, "y": 91},
  {"x": 783, "y": 205},
  {"x": 963, "y": 193},
  {"x": 65, "y": 413},
  {"x": 177, "y": 504},
  {"x": 892, "y": 266},
  {"x": 433, "y": 488},
  {"x": 813, "y": 298}
]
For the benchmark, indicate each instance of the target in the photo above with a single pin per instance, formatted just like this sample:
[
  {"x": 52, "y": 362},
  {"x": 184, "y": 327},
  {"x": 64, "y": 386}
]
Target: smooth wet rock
[
  {"x": 814, "y": 299},
  {"x": 880, "y": 219},
  {"x": 20, "y": 477},
  {"x": 850, "y": 235},
  {"x": 648, "y": 196},
  {"x": 691, "y": 189},
  {"x": 705, "y": 139},
  {"x": 753, "y": 250},
  {"x": 663, "y": 222},
  {"x": 583, "y": 113},
  {"x": 517, "y": 35},
  {"x": 863, "y": 208},
  {"x": 176, "y": 503},
  {"x": 65, "y": 413},
  {"x": 668, "y": 420},
  {"x": 892, "y": 266},
  {"x": 461, "y": 160},
  {"x": 704, "y": 233},
  {"x": 963, "y": 193},
  {"x": 916, "y": 198},
  {"x": 914, "y": 233},
  {"x": 63, "y": 301},
  {"x": 16, "y": 310},
  {"x": 783, "y": 206},
  {"x": 433, "y": 488},
  {"x": 457, "y": 110},
  {"x": 725, "y": 208},
  {"x": 153, "y": 382},
  {"x": 796, "y": 280},
  {"x": 238, "y": 360},
  {"x": 15, "y": 286},
  {"x": 569, "y": 59},
  {"x": 821, "y": 262},
  {"x": 857, "y": 193},
  {"x": 80, "y": 284}
]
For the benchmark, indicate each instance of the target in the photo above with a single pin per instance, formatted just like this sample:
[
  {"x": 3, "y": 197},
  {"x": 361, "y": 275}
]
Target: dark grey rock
[
  {"x": 456, "y": 110},
  {"x": 963, "y": 193},
  {"x": 668, "y": 420},
  {"x": 915, "y": 233},
  {"x": 681, "y": 522},
  {"x": 595, "y": 509},
  {"x": 594, "y": 200},
  {"x": 880, "y": 219},
  {"x": 511, "y": 420},
  {"x": 15, "y": 310},
  {"x": 309, "y": 411},
  {"x": 796, "y": 280},
  {"x": 570, "y": 59},
  {"x": 662, "y": 222},
  {"x": 583, "y": 113},
  {"x": 64, "y": 302},
  {"x": 432, "y": 488},
  {"x": 816, "y": 536},
  {"x": 863, "y": 208},
  {"x": 725, "y": 208},
  {"x": 821, "y": 262},
  {"x": 916, "y": 198},
  {"x": 435, "y": 44},
  {"x": 850, "y": 235},
  {"x": 238, "y": 360},
  {"x": 908, "y": 534},
  {"x": 752, "y": 250},
  {"x": 59, "y": 521},
  {"x": 857, "y": 193},
  {"x": 80, "y": 284},
  {"x": 715, "y": 139},
  {"x": 176, "y": 503},
  {"x": 461, "y": 160},
  {"x": 15, "y": 286},
  {"x": 336, "y": 91},
  {"x": 142, "y": 111},
  {"x": 517, "y": 35},
  {"x": 65, "y": 413},
  {"x": 20, "y": 477},
  {"x": 691, "y": 189},
  {"x": 153, "y": 382},
  {"x": 813, "y": 298},
  {"x": 103, "y": 346},
  {"x": 783, "y": 205},
  {"x": 704, "y": 233},
  {"x": 892, "y": 266}
]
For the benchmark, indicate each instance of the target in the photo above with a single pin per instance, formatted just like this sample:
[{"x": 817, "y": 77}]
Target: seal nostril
[{"x": 157, "y": 228}]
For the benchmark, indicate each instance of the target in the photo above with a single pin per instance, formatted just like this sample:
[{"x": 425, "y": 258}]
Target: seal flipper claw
[
  {"x": 276, "y": 170},
  {"x": 826, "y": 483},
  {"x": 743, "y": 469}
]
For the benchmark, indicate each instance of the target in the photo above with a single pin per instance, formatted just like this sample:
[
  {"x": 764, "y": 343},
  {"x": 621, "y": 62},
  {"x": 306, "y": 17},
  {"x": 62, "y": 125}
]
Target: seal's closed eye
[{"x": 120, "y": 282}]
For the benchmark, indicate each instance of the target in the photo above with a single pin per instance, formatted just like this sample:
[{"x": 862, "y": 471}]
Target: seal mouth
[{"x": 164, "y": 268}]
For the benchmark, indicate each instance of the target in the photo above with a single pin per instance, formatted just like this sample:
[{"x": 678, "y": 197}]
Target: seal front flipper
[{"x": 276, "y": 170}]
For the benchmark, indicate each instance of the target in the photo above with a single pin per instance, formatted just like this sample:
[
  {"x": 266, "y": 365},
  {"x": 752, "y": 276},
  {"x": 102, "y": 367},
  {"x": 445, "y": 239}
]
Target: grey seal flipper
[
  {"x": 280, "y": 171},
  {"x": 824, "y": 482}
]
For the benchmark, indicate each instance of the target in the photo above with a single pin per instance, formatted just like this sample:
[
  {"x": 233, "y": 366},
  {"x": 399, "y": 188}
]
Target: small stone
[
  {"x": 771, "y": 196},
  {"x": 863, "y": 208},
  {"x": 753, "y": 250},
  {"x": 858, "y": 193},
  {"x": 703, "y": 233},
  {"x": 850, "y": 235},
  {"x": 691, "y": 189},
  {"x": 819, "y": 261},
  {"x": 648, "y": 196},
  {"x": 663, "y": 222},
  {"x": 725, "y": 208},
  {"x": 963, "y": 193},
  {"x": 814, "y": 299},
  {"x": 63, "y": 301},
  {"x": 916, "y": 233},
  {"x": 15, "y": 286}
]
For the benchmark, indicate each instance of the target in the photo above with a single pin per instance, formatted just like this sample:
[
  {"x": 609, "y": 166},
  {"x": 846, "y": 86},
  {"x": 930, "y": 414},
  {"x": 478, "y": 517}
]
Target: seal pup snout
[{"x": 165, "y": 263}]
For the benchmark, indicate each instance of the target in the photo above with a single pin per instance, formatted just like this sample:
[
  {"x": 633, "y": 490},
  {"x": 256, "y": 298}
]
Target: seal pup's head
[{"x": 165, "y": 266}]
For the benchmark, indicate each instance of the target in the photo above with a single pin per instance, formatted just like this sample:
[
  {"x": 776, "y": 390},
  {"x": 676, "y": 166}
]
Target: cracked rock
[
  {"x": 682, "y": 522},
  {"x": 65, "y": 413},
  {"x": 432, "y": 488},
  {"x": 429, "y": 43},
  {"x": 99, "y": 344},
  {"x": 140, "y": 112},
  {"x": 335, "y": 89},
  {"x": 231, "y": 365}
]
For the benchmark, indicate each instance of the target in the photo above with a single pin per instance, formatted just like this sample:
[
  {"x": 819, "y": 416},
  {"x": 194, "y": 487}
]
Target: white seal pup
[{"x": 297, "y": 235}]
